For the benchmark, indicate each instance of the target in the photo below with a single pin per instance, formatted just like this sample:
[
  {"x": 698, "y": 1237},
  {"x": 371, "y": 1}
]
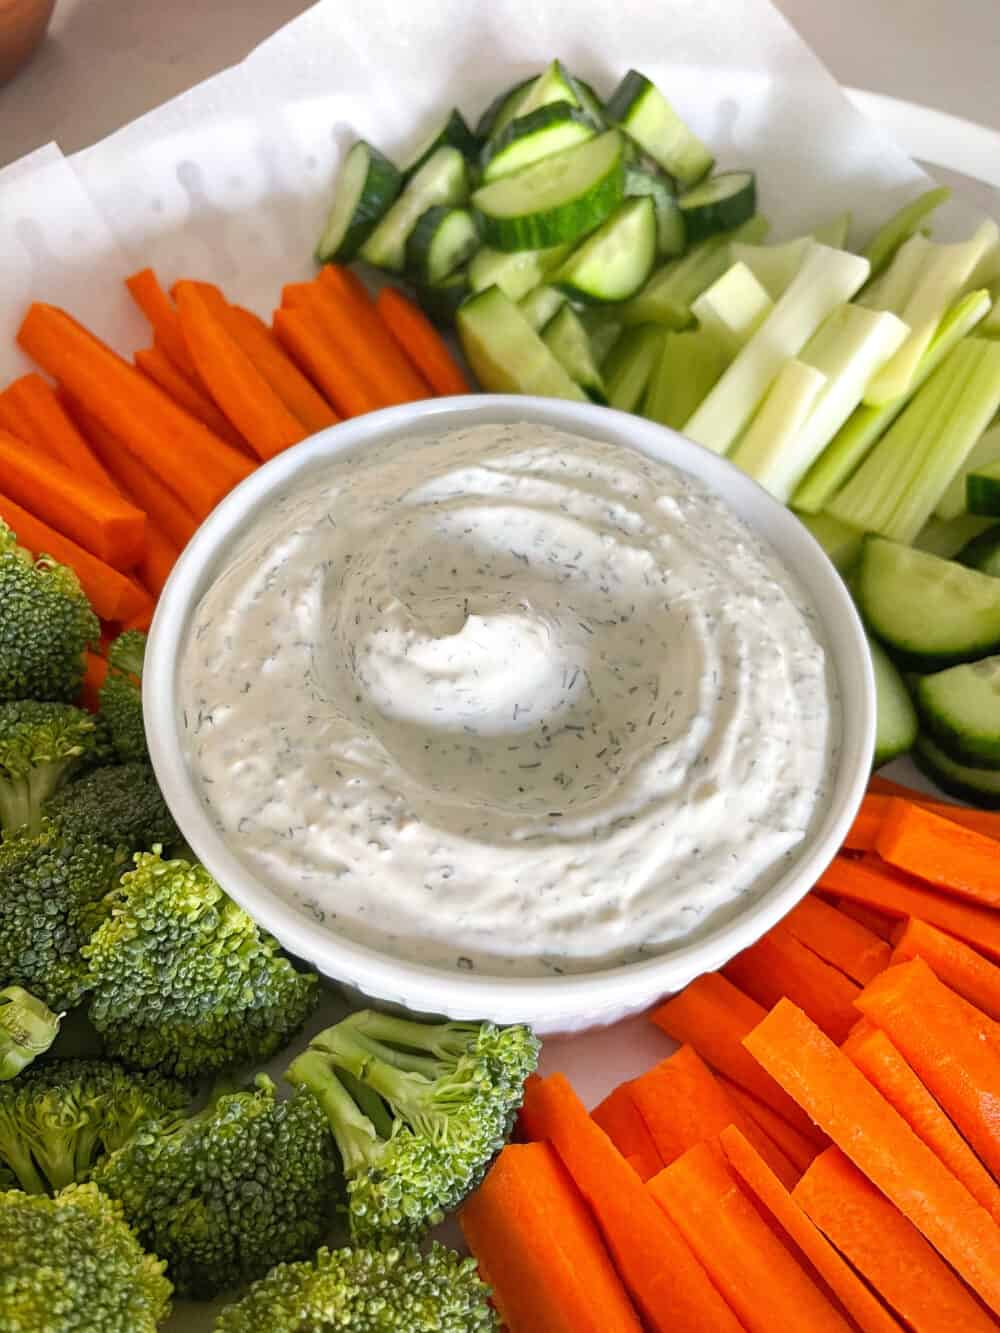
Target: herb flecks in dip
[{"x": 508, "y": 699}]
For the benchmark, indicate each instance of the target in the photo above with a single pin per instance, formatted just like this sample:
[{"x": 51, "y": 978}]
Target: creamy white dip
[{"x": 509, "y": 700}]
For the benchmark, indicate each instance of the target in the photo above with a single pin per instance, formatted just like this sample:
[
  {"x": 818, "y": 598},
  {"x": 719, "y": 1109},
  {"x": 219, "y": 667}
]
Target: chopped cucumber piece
[
  {"x": 907, "y": 222},
  {"x": 841, "y": 544},
  {"x": 734, "y": 307},
  {"x": 569, "y": 343},
  {"x": 834, "y": 232},
  {"x": 960, "y": 708},
  {"x": 515, "y": 272},
  {"x": 554, "y": 84},
  {"x": 985, "y": 452},
  {"x": 948, "y": 538},
  {"x": 982, "y": 490},
  {"x": 588, "y": 100},
  {"x": 541, "y": 304},
  {"x": 443, "y": 179},
  {"x": 719, "y": 204},
  {"x": 556, "y": 200},
  {"x": 932, "y": 612},
  {"x": 688, "y": 367},
  {"x": 454, "y": 133},
  {"x": 774, "y": 266},
  {"x": 529, "y": 138},
  {"x": 771, "y": 437},
  {"x": 505, "y": 352},
  {"x": 896, "y": 719},
  {"x": 440, "y": 300},
  {"x": 670, "y": 235},
  {"x": 639, "y": 107},
  {"x": 982, "y": 552},
  {"x": 441, "y": 242},
  {"x": 367, "y": 186},
  {"x": 604, "y": 331},
  {"x": 615, "y": 260},
  {"x": 966, "y": 782},
  {"x": 502, "y": 109},
  {"x": 630, "y": 364}
]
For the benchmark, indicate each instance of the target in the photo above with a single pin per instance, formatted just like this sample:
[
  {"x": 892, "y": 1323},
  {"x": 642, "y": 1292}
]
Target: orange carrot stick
[
  {"x": 866, "y": 1310},
  {"x": 619, "y": 1117},
  {"x": 886, "y": 1249},
  {"x": 878, "y": 1140},
  {"x": 984, "y": 821},
  {"x": 46, "y": 423},
  {"x": 760, "y": 1279},
  {"x": 93, "y": 679},
  {"x": 862, "y": 834},
  {"x": 349, "y": 296},
  {"x": 881, "y": 786},
  {"x": 538, "y": 1248},
  {"x": 713, "y": 1016},
  {"x": 877, "y": 885},
  {"x": 154, "y": 362},
  {"x": 154, "y": 303},
  {"x": 799, "y": 1150},
  {"x": 961, "y": 968},
  {"x": 157, "y": 562},
  {"x": 668, "y": 1285},
  {"x": 951, "y": 1047},
  {"x": 877, "y": 922},
  {"x": 421, "y": 342},
  {"x": 779, "y": 965},
  {"x": 955, "y": 859},
  {"x": 884, "y": 1067},
  {"x": 839, "y": 940},
  {"x": 307, "y": 343}
]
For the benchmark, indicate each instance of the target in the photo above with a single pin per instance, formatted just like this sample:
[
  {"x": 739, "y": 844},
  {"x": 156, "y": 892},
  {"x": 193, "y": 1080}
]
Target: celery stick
[
  {"x": 987, "y": 271},
  {"x": 901, "y": 226},
  {"x": 772, "y": 433},
  {"x": 990, "y": 327},
  {"x": 834, "y": 231},
  {"x": 734, "y": 307},
  {"x": 983, "y": 489},
  {"x": 986, "y": 450},
  {"x": 946, "y": 537},
  {"x": 774, "y": 266},
  {"x": 896, "y": 285},
  {"x": 841, "y": 543},
  {"x": 688, "y": 368},
  {"x": 857, "y": 436},
  {"x": 827, "y": 278},
  {"x": 629, "y": 365}
]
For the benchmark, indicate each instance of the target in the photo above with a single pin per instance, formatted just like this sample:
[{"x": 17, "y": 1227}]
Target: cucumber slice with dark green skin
[
  {"x": 515, "y": 272},
  {"x": 569, "y": 343},
  {"x": 443, "y": 239},
  {"x": 554, "y": 201},
  {"x": 896, "y": 718},
  {"x": 495, "y": 116},
  {"x": 670, "y": 235},
  {"x": 541, "y": 304},
  {"x": 630, "y": 364},
  {"x": 554, "y": 84},
  {"x": 642, "y": 111},
  {"x": 983, "y": 552},
  {"x": 615, "y": 260},
  {"x": 366, "y": 189},
  {"x": 588, "y": 100},
  {"x": 960, "y": 709},
  {"x": 720, "y": 204},
  {"x": 440, "y": 300},
  {"x": 982, "y": 491},
  {"x": 930, "y": 612},
  {"x": 443, "y": 179},
  {"x": 966, "y": 782},
  {"x": 505, "y": 352},
  {"x": 454, "y": 133},
  {"x": 529, "y": 138}
]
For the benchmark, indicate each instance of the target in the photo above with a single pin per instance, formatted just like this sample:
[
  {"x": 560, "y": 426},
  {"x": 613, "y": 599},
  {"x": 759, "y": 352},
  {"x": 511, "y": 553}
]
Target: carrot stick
[
  {"x": 779, "y": 965},
  {"x": 306, "y": 341},
  {"x": 881, "y": 786},
  {"x": 799, "y": 1150},
  {"x": 538, "y": 1248},
  {"x": 93, "y": 679},
  {"x": 421, "y": 342},
  {"x": 837, "y": 939},
  {"x": 950, "y": 1045},
  {"x": 964, "y": 970},
  {"x": 179, "y": 450},
  {"x": 154, "y": 363},
  {"x": 34, "y": 401},
  {"x": 619, "y": 1117},
  {"x": 984, "y": 821},
  {"x": 157, "y": 562},
  {"x": 713, "y": 1016},
  {"x": 877, "y": 885},
  {"x": 952, "y": 858},
  {"x": 668, "y": 1285},
  {"x": 760, "y": 1279},
  {"x": 884, "y": 1067},
  {"x": 154, "y": 303},
  {"x": 877, "y": 922},
  {"x": 880, "y": 1143},
  {"x": 683, "y": 1103},
  {"x": 866, "y": 1310},
  {"x": 349, "y": 296},
  {"x": 89, "y": 513},
  {"x": 863, "y": 832},
  {"x": 887, "y": 1249}
]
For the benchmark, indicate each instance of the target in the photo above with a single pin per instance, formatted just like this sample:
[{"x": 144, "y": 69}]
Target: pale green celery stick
[
  {"x": 987, "y": 271},
  {"x": 603, "y": 336},
  {"x": 896, "y": 285},
  {"x": 834, "y": 231},
  {"x": 734, "y": 307},
  {"x": 901, "y": 226},
  {"x": 688, "y": 367},
  {"x": 779, "y": 420},
  {"x": 855, "y": 439},
  {"x": 986, "y": 450},
  {"x": 630, "y": 364},
  {"x": 774, "y": 266},
  {"x": 826, "y": 279},
  {"x": 943, "y": 280},
  {"x": 990, "y": 327},
  {"x": 841, "y": 543},
  {"x": 946, "y": 537}
]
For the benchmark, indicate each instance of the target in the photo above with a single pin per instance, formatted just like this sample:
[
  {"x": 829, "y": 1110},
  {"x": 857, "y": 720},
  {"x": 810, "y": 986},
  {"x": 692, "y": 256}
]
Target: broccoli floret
[
  {"x": 121, "y": 696},
  {"x": 72, "y": 1265},
  {"x": 385, "y": 1288},
  {"x": 183, "y": 978},
  {"x": 46, "y": 624},
  {"x": 418, "y": 1111},
  {"x": 27, "y": 1028},
  {"x": 122, "y": 804},
  {"x": 230, "y": 1191},
  {"x": 40, "y": 746}
]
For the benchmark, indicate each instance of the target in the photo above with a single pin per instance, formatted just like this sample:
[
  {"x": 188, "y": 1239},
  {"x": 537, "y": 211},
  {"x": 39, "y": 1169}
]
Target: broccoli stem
[
  {"x": 355, "y": 1134},
  {"x": 22, "y": 1164},
  {"x": 22, "y": 798},
  {"x": 443, "y": 1041}
]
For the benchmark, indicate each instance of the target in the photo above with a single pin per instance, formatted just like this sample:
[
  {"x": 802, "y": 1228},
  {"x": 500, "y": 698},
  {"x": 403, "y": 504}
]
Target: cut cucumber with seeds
[
  {"x": 554, "y": 84},
  {"x": 529, "y": 138},
  {"x": 670, "y": 235},
  {"x": 983, "y": 552},
  {"x": 496, "y": 115},
  {"x": 541, "y": 304},
  {"x": 454, "y": 133},
  {"x": 960, "y": 708},
  {"x": 568, "y": 341},
  {"x": 505, "y": 352},
  {"x": 366, "y": 189},
  {"x": 440, "y": 300},
  {"x": 441, "y": 242},
  {"x": 896, "y": 719},
  {"x": 966, "y": 782},
  {"x": 982, "y": 490},
  {"x": 614, "y": 262},
  {"x": 719, "y": 204},
  {"x": 443, "y": 179},
  {"x": 639, "y": 107},
  {"x": 515, "y": 272}
]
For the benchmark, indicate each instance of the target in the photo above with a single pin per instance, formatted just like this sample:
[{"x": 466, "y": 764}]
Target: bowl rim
[{"x": 548, "y": 1000}]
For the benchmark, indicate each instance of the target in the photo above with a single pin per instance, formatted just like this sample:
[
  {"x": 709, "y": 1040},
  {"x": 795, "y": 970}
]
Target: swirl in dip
[{"x": 509, "y": 699}]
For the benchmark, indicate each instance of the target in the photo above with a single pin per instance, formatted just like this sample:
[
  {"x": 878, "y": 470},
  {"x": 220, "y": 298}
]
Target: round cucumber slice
[
  {"x": 529, "y": 138},
  {"x": 671, "y": 237},
  {"x": 454, "y": 133},
  {"x": 719, "y": 204},
  {"x": 443, "y": 239},
  {"x": 983, "y": 552},
  {"x": 960, "y": 708},
  {"x": 368, "y": 185},
  {"x": 614, "y": 261},
  {"x": 966, "y": 782},
  {"x": 896, "y": 725},
  {"x": 502, "y": 108}
]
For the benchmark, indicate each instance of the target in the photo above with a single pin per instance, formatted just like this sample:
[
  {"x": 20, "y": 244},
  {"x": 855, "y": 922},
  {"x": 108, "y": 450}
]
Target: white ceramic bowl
[{"x": 551, "y": 1004}]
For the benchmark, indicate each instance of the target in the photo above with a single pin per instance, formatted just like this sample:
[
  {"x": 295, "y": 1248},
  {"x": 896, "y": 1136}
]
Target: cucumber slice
[
  {"x": 505, "y": 352},
  {"x": 495, "y": 116},
  {"x": 588, "y": 99},
  {"x": 440, "y": 300},
  {"x": 982, "y": 490},
  {"x": 960, "y": 709},
  {"x": 896, "y": 718},
  {"x": 966, "y": 782},
  {"x": 368, "y": 185},
  {"x": 983, "y": 552},
  {"x": 719, "y": 204},
  {"x": 932, "y": 612},
  {"x": 443, "y": 179},
  {"x": 442, "y": 241},
  {"x": 841, "y": 544},
  {"x": 630, "y": 365},
  {"x": 567, "y": 340},
  {"x": 454, "y": 133},
  {"x": 614, "y": 262},
  {"x": 529, "y": 138},
  {"x": 670, "y": 235},
  {"x": 539, "y": 306},
  {"x": 514, "y": 272},
  {"x": 986, "y": 450},
  {"x": 556, "y": 200},
  {"x": 604, "y": 331},
  {"x": 639, "y": 107},
  {"x": 554, "y": 84}
]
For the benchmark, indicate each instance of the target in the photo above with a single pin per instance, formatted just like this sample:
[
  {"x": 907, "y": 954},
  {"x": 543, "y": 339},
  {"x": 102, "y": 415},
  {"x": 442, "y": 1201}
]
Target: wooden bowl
[{"x": 22, "y": 27}]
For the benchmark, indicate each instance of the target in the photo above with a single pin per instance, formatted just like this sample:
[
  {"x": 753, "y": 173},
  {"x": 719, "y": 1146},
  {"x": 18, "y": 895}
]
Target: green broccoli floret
[
  {"x": 121, "y": 696},
  {"x": 385, "y": 1288},
  {"x": 230, "y": 1191},
  {"x": 46, "y": 624},
  {"x": 418, "y": 1111},
  {"x": 122, "y": 804},
  {"x": 184, "y": 980},
  {"x": 72, "y": 1265},
  {"x": 40, "y": 746},
  {"x": 27, "y": 1028}
]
